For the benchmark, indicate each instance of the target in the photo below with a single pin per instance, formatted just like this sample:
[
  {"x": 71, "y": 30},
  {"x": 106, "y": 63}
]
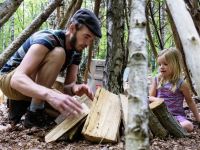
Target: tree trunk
[
  {"x": 115, "y": 47},
  {"x": 194, "y": 11},
  {"x": 156, "y": 127},
  {"x": 180, "y": 47},
  {"x": 37, "y": 22},
  {"x": 153, "y": 47},
  {"x": 189, "y": 38},
  {"x": 7, "y": 9},
  {"x": 77, "y": 6},
  {"x": 94, "y": 45},
  {"x": 67, "y": 15},
  {"x": 137, "y": 127},
  {"x": 167, "y": 120}
]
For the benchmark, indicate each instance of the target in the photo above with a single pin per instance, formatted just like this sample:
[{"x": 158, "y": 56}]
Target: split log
[
  {"x": 124, "y": 108},
  {"x": 156, "y": 127},
  {"x": 59, "y": 84},
  {"x": 167, "y": 119},
  {"x": 2, "y": 97},
  {"x": 69, "y": 123},
  {"x": 66, "y": 125},
  {"x": 103, "y": 121}
]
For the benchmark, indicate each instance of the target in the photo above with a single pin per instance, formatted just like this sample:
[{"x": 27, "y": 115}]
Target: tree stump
[
  {"x": 156, "y": 127},
  {"x": 167, "y": 119}
]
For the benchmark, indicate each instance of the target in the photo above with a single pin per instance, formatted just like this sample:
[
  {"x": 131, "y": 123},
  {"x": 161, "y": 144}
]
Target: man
[{"x": 32, "y": 70}]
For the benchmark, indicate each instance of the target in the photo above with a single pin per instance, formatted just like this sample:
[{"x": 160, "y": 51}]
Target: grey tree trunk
[
  {"x": 189, "y": 38},
  {"x": 115, "y": 47},
  {"x": 7, "y": 9},
  {"x": 137, "y": 126},
  {"x": 37, "y": 22}
]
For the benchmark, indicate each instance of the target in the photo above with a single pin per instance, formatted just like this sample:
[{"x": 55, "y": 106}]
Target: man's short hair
[{"x": 89, "y": 19}]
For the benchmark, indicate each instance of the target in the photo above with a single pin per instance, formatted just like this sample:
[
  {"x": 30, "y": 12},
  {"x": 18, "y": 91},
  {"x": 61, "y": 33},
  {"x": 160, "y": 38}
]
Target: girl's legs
[{"x": 186, "y": 124}]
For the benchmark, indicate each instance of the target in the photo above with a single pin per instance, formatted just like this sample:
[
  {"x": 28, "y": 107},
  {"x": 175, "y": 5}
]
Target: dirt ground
[{"x": 33, "y": 139}]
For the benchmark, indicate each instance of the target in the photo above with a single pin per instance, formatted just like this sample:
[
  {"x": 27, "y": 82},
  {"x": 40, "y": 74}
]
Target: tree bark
[
  {"x": 93, "y": 45},
  {"x": 167, "y": 120},
  {"x": 189, "y": 38},
  {"x": 115, "y": 47},
  {"x": 37, "y": 22},
  {"x": 153, "y": 47},
  {"x": 7, "y": 9},
  {"x": 180, "y": 47},
  {"x": 156, "y": 127},
  {"x": 77, "y": 6},
  {"x": 63, "y": 22},
  {"x": 137, "y": 126}
]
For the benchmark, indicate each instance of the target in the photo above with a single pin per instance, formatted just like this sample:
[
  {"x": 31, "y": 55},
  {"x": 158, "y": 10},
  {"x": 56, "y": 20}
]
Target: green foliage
[
  {"x": 23, "y": 17},
  {"x": 102, "y": 45}
]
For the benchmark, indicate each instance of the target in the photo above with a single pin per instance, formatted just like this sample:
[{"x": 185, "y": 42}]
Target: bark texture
[
  {"x": 7, "y": 9},
  {"x": 137, "y": 126},
  {"x": 189, "y": 38},
  {"x": 115, "y": 50},
  {"x": 66, "y": 16}
]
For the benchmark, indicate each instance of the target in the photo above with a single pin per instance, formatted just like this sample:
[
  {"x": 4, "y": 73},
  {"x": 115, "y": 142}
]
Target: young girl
[{"x": 170, "y": 87}]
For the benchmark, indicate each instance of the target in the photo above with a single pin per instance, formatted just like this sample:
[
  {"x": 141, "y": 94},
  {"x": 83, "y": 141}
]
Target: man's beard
[{"x": 73, "y": 41}]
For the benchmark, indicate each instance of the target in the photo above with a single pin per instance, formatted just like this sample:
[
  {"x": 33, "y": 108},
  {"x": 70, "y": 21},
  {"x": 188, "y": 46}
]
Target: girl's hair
[{"x": 172, "y": 57}]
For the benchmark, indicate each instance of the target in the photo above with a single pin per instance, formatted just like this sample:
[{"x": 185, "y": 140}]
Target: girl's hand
[{"x": 153, "y": 98}]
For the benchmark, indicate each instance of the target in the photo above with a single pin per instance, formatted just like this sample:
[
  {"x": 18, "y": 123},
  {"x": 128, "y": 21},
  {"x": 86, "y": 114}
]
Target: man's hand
[
  {"x": 80, "y": 89},
  {"x": 65, "y": 104}
]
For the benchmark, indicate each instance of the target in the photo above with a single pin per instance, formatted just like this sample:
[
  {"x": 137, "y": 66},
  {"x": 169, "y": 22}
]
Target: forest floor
[{"x": 33, "y": 139}]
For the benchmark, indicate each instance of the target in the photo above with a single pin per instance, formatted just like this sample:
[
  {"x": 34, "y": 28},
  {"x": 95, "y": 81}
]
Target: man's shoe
[
  {"x": 35, "y": 119},
  {"x": 17, "y": 108}
]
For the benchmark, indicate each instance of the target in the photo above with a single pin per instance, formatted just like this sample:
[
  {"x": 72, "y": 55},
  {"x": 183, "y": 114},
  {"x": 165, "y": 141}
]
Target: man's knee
[{"x": 57, "y": 55}]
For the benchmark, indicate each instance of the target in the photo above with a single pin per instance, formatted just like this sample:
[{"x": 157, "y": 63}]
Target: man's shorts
[{"x": 8, "y": 90}]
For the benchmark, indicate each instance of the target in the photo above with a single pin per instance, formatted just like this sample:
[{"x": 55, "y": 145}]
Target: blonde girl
[{"x": 172, "y": 88}]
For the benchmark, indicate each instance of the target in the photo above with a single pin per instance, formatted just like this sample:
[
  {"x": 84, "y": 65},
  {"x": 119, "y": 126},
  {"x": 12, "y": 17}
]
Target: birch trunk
[
  {"x": 180, "y": 47},
  {"x": 137, "y": 126},
  {"x": 37, "y": 22},
  {"x": 189, "y": 38}
]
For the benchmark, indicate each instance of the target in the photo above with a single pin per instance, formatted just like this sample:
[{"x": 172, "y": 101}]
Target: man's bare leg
[{"x": 48, "y": 72}]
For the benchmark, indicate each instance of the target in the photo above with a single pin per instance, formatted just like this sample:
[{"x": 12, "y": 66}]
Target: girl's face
[{"x": 164, "y": 67}]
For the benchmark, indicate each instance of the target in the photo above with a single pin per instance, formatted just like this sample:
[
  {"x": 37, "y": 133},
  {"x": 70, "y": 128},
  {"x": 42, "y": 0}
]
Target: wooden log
[
  {"x": 73, "y": 133},
  {"x": 103, "y": 121},
  {"x": 156, "y": 127},
  {"x": 59, "y": 84},
  {"x": 2, "y": 97},
  {"x": 66, "y": 125},
  {"x": 167, "y": 119},
  {"x": 69, "y": 123},
  {"x": 76, "y": 130},
  {"x": 124, "y": 108}
]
